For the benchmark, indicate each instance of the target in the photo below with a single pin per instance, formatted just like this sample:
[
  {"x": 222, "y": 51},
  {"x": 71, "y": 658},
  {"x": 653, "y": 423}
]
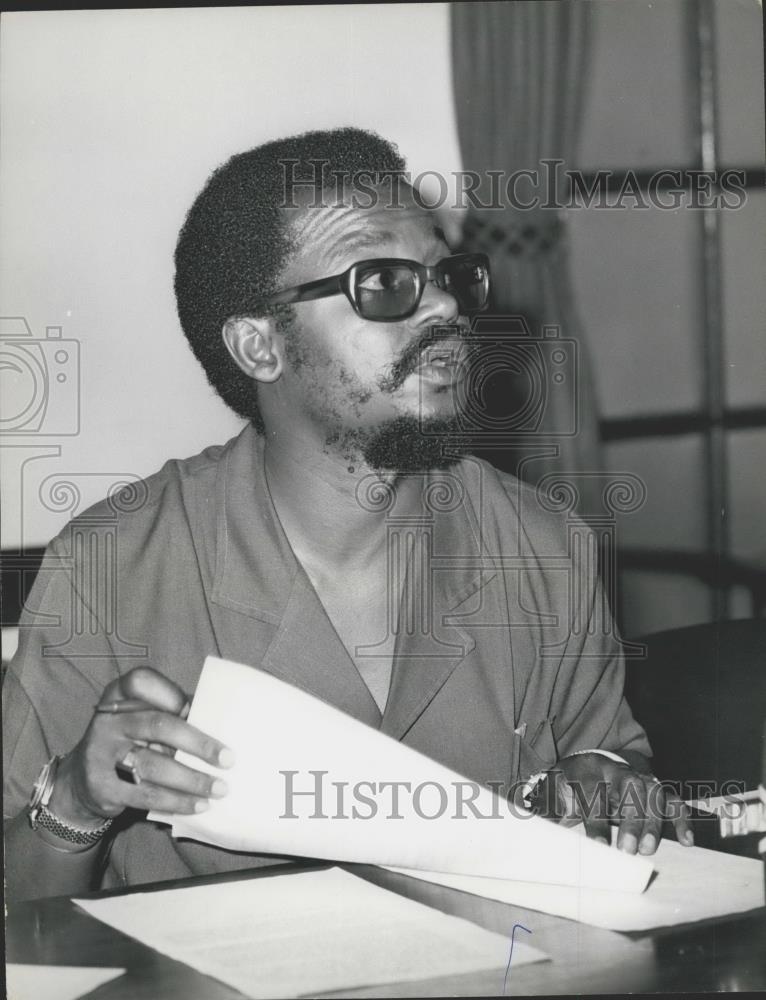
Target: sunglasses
[{"x": 389, "y": 288}]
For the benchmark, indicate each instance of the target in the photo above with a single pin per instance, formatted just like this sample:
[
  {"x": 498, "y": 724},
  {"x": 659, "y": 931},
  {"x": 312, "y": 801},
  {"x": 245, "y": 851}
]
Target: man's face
[{"x": 352, "y": 377}]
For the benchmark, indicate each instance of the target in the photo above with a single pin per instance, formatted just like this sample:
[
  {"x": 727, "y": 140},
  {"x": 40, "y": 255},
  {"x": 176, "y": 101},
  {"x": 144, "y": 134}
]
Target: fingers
[
  {"x": 147, "y": 797},
  {"x": 167, "y": 785},
  {"x": 601, "y": 791},
  {"x": 593, "y": 807},
  {"x": 678, "y": 813},
  {"x": 579, "y": 800},
  {"x": 152, "y": 737},
  {"x": 631, "y": 814},
  {"x": 162, "y": 783},
  {"x": 652, "y": 832},
  {"x": 643, "y": 808},
  {"x": 170, "y": 731},
  {"x": 597, "y": 829},
  {"x": 148, "y": 685},
  {"x": 590, "y": 778},
  {"x": 661, "y": 805}
]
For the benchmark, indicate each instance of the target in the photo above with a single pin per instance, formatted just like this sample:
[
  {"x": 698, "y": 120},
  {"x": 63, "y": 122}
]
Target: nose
[{"x": 435, "y": 307}]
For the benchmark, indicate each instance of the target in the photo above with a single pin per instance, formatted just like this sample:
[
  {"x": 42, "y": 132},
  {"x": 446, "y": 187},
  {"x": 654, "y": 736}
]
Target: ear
[{"x": 254, "y": 345}]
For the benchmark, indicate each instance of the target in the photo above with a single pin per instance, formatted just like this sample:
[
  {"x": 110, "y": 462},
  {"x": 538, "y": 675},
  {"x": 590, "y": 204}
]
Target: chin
[{"x": 412, "y": 444}]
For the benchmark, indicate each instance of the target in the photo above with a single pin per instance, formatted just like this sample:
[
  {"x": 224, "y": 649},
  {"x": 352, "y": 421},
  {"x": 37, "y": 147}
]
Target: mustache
[{"x": 410, "y": 358}]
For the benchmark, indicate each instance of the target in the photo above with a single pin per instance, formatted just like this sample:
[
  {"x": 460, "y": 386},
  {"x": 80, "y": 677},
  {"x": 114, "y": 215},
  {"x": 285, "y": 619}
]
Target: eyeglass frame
[{"x": 345, "y": 283}]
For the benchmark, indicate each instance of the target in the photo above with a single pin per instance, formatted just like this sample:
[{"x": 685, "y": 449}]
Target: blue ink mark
[{"x": 510, "y": 957}]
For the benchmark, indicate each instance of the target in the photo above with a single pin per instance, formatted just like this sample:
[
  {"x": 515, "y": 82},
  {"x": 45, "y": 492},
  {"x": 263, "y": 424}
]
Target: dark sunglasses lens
[
  {"x": 467, "y": 278},
  {"x": 385, "y": 291}
]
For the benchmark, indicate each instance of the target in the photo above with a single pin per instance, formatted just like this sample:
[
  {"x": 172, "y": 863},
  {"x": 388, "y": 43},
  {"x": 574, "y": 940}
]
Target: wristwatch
[{"x": 41, "y": 816}]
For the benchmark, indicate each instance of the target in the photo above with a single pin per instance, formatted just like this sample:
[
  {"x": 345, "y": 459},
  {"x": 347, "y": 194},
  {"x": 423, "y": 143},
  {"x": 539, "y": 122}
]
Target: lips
[{"x": 443, "y": 363}]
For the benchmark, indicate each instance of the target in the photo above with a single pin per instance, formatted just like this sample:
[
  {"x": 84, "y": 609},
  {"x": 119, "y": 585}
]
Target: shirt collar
[{"x": 255, "y": 566}]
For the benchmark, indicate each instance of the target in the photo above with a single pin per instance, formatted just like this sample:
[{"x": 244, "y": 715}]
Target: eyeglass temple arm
[{"x": 309, "y": 290}]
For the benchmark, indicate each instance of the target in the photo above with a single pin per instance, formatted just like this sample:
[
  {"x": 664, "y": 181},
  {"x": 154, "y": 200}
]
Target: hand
[
  {"x": 88, "y": 789},
  {"x": 595, "y": 790}
]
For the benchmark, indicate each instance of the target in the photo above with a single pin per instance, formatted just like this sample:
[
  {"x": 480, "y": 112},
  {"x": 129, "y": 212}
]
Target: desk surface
[{"x": 721, "y": 955}]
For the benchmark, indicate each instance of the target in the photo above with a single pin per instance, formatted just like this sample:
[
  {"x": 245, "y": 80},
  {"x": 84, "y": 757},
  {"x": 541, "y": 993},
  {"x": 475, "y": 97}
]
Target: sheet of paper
[
  {"x": 287, "y": 741},
  {"x": 308, "y": 932},
  {"x": 58, "y": 982},
  {"x": 691, "y": 884}
]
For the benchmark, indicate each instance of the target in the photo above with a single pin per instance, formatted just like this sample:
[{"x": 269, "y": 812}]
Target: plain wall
[{"x": 111, "y": 122}]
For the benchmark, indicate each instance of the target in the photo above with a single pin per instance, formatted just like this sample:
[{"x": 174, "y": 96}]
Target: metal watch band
[
  {"x": 39, "y": 814},
  {"x": 72, "y": 834}
]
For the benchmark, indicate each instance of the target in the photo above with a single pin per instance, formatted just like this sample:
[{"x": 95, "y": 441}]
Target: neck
[{"x": 321, "y": 501}]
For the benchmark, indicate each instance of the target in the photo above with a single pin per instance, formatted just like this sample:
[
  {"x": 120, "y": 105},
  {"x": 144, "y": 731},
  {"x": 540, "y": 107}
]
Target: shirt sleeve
[
  {"x": 24, "y": 747},
  {"x": 63, "y": 662},
  {"x": 589, "y": 701}
]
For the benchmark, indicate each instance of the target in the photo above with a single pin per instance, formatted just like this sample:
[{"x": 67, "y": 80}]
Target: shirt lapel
[
  {"x": 308, "y": 653},
  {"x": 279, "y": 623},
  {"x": 444, "y": 571}
]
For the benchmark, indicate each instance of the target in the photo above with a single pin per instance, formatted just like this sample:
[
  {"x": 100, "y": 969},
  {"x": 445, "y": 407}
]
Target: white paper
[
  {"x": 273, "y": 727},
  {"x": 59, "y": 982},
  {"x": 691, "y": 884},
  {"x": 307, "y": 932}
]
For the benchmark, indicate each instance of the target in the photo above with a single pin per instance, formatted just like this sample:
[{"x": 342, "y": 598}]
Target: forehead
[{"x": 349, "y": 227}]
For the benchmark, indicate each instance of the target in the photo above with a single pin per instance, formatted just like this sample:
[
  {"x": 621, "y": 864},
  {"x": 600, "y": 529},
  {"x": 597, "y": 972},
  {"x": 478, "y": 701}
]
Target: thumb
[{"x": 150, "y": 686}]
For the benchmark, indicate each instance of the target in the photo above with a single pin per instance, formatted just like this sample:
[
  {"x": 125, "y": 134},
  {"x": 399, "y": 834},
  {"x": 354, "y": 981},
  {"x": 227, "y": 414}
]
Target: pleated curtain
[{"x": 519, "y": 79}]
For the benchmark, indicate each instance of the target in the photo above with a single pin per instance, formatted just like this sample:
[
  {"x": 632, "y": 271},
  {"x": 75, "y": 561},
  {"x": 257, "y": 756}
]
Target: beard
[{"x": 406, "y": 444}]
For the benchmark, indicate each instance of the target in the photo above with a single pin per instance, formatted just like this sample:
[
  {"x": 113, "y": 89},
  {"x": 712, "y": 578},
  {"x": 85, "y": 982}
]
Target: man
[{"x": 327, "y": 309}]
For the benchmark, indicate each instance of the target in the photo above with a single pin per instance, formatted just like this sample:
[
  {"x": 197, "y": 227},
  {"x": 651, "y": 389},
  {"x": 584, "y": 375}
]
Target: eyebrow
[{"x": 361, "y": 239}]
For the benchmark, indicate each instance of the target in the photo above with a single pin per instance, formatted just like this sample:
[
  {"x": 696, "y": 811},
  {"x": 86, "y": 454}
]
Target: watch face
[{"x": 39, "y": 786}]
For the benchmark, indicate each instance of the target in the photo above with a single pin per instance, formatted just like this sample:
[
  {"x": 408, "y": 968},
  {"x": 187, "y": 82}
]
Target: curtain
[{"x": 519, "y": 72}]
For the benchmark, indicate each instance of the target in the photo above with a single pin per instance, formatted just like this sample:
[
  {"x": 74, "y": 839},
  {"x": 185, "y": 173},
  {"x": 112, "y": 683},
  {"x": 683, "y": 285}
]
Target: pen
[
  {"x": 132, "y": 705},
  {"x": 126, "y": 705}
]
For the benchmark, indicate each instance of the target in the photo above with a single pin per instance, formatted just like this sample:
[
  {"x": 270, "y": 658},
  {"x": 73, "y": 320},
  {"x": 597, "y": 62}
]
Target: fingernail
[
  {"x": 225, "y": 757},
  {"x": 201, "y": 805},
  {"x": 648, "y": 844},
  {"x": 628, "y": 843},
  {"x": 219, "y": 788},
  {"x": 689, "y": 838}
]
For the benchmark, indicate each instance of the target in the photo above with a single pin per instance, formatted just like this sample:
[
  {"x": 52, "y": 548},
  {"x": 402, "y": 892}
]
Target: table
[{"x": 721, "y": 955}]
